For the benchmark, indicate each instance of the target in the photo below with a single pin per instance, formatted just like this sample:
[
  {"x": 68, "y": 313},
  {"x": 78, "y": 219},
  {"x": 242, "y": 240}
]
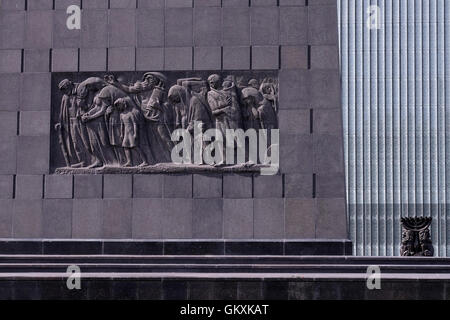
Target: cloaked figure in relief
[
  {"x": 150, "y": 94},
  {"x": 251, "y": 99},
  {"x": 177, "y": 100},
  {"x": 100, "y": 147},
  {"x": 72, "y": 134},
  {"x": 129, "y": 130}
]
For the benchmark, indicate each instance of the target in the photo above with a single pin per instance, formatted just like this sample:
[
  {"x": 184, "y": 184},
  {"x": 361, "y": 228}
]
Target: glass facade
[{"x": 395, "y": 69}]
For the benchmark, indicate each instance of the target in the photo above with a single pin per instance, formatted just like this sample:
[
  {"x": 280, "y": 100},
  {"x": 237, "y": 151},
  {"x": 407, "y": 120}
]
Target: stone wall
[{"x": 297, "y": 37}]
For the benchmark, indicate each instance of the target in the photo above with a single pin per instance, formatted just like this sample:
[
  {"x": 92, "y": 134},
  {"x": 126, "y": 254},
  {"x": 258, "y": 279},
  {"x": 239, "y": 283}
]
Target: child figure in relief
[{"x": 129, "y": 118}]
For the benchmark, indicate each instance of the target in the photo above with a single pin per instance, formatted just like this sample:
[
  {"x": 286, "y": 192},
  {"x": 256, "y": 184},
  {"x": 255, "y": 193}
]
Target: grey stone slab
[
  {"x": 330, "y": 185},
  {"x": 292, "y": 2},
  {"x": 87, "y": 219},
  {"x": 294, "y": 57},
  {"x": 298, "y": 185},
  {"x": 328, "y": 121},
  {"x": 265, "y": 57},
  {"x": 117, "y": 216},
  {"x": 130, "y": 4},
  {"x": 96, "y": 4},
  {"x": 238, "y": 218},
  {"x": 207, "y": 186},
  {"x": 236, "y": 58},
  {"x": 324, "y": 57},
  {"x": 28, "y": 219},
  {"x": 151, "y": 3},
  {"x": 177, "y": 219},
  {"x": 207, "y": 26},
  {"x": 8, "y": 147},
  {"x": 148, "y": 215},
  {"x": 150, "y": 28},
  {"x": 235, "y": 26},
  {"x": 207, "y": 58},
  {"x": 36, "y": 60},
  {"x": 39, "y": 27},
  {"x": 36, "y": 89},
  {"x": 149, "y": 59},
  {"x": 237, "y": 186},
  {"x": 294, "y": 89},
  {"x": 293, "y": 25},
  {"x": 325, "y": 89},
  {"x": 296, "y": 154},
  {"x": 64, "y": 4},
  {"x": 117, "y": 186},
  {"x": 300, "y": 215},
  {"x": 331, "y": 220},
  {"x": 6, "y": 186},
  {"x": 57, "y": 218},
  {"x": 12, "y": 29},
  {"x": 58, "y": 186},
  {"x": 65, "y": 60},
  {"x": 257, "y": 3},
  {"x": 207, "y": 220},
  {"x": 29, "y": 186},
  {"x": 269, "y": 218},
  {"x": 8, "y": 123},
  {"x": 9, "y": 91},
  {"x": 268, "y": 186},
  {"x": 179, "y": 3},
  {"x": 178, "y": 58},
  {"x": 92, "y": 59},
  {"x": 88, "y": 186},
  {"x": 121, "y": 59},
  {"x": 294, "y": 121},
  {"x": 264, "y": 25},
  {"x": 94, "y": 28},
  {"x": 6, "y": 213},
  {"x": 148, "y": 186},
  {"x": 328, "y": 153},
  {"x": 33, "y": 155},
  {"x": 34, "y": 123},
  {"x": 235, "y": 3},
  {"x": 178, "y": 186},
  {"x": 207, "y": 3},
  {"x": 322, "y": 25},
  {"x": 122, "y": 28},
  {"x": 13, "y": 4},
  {"x": 178, "y": 27},
  {"x": 64, "y": 37},
  {"x": 40, "y": 5},
  {"x": 10, "y": 61}
]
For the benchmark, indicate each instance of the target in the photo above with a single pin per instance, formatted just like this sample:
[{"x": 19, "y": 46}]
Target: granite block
[
  {"x": 33, "y": 153},
  {"x": 34, "y": 123},
  {"x": 117, "y": 186},
  {"x": 178, "y": 27},
  {"x": 8, "y": 123},
  {"x": 10, "y": 61},
  {"x": 87, "y": 219},
  {"x": 177, "y": 218},
  {"x": 58, "y": 186},
  {"x": 207, "y": 58},
  {"x": 235, "y": 26},
  {"x": 28, "y": 219},
  {"x": 38, "y": 30},
  {"x": 117, "y": 218},
  {"x": 122, "y": 28},
  {"x": 264, "y": 25},
  {"x": 236, "y": 58},
  {"x": 237, "y": 186},
  {"x": 57, "y": 218},
  {"x": 122, "y": 59},
  {"x": 207, "y": 26},
  {"x": 9, "y": 91},
  {"x": 269, "y": 218},
  {"x": 65, "y": 60},
  {"x": 29, "y": 186},
  {"x": 238, "y": 218},
  {"x": 207, "y": 186},
  {"x": 207, "y": 221},
  {"x": 92, "y": 59},
  {"x": 150, "y": 28},
  {"x": 36, "y": 60},
  {"x": 94, "y": 28},
  {"x": 148, "y": 215},
  {"x": 265, "y": 57},
  {"x": 6, "y": 186},
  {"x": 149, "y": 59},
  {"x": 300, "y": 215}
]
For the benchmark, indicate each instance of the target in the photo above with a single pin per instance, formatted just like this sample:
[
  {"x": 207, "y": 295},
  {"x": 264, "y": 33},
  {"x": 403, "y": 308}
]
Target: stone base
[
  {"x": 164, "y": 168},
  {"x": 178, "y": 247}
]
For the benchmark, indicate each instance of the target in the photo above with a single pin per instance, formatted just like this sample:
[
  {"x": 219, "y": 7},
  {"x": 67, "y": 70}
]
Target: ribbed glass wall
[{"x": 396, "y": 109}]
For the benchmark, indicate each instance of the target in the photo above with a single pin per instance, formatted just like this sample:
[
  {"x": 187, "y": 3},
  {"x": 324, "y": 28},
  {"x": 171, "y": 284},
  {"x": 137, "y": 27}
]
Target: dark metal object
[{"x": 416, "y": 239}]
